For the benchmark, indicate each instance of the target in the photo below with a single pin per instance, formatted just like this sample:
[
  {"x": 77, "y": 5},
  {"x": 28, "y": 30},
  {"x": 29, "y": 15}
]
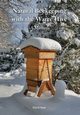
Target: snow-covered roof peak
[{"x": 42, "y": 43}]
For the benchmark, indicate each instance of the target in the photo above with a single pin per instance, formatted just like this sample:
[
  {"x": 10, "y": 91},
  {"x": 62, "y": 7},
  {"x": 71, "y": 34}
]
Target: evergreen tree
[{"x": 59, "y": 20}]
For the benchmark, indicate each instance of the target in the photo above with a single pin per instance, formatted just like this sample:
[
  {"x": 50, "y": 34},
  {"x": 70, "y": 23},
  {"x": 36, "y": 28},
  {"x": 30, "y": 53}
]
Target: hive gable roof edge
[
  {"x": 30, "y": 47},
  {"x": 42, "y": 50}
]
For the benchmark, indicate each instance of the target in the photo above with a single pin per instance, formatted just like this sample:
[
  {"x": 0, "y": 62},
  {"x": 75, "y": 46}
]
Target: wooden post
[{"x": 46, "y": 85}]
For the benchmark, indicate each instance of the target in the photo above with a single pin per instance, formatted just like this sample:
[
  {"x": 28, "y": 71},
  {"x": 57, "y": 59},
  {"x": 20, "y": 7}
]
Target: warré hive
[{"x": 39, "y": 69}]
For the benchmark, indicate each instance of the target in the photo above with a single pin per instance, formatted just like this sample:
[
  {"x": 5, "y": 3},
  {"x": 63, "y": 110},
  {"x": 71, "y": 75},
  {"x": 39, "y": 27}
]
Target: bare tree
[{"x": 5, "y": 28}]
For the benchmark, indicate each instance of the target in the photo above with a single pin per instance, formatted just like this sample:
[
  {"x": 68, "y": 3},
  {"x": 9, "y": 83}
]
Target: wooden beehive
[{"x": 38, "y": 66}]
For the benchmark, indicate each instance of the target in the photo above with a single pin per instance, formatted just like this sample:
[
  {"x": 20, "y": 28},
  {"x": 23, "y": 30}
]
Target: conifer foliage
[{"x": 60, "y": 20}]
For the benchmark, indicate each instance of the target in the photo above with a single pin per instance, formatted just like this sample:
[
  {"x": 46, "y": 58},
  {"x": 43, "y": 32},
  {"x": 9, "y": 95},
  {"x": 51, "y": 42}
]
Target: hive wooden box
[{"x": 38, "y": 66}]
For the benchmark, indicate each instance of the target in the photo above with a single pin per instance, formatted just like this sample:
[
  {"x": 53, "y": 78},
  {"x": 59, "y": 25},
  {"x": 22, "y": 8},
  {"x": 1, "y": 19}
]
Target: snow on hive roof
[{"x": 42, "y": 43}]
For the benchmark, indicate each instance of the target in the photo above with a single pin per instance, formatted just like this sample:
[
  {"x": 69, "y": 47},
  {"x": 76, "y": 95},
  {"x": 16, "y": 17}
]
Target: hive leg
[
  {"x": 25, "y": 93},
  {"x": 41, "y": 89},
  {"x": 52, "y": 89},
  {"x": 48, "y": 86}
]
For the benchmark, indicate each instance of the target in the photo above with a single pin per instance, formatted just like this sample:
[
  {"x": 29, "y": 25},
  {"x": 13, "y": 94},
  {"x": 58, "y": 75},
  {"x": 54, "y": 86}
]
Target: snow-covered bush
[
  {"x": 77, "y": 42},
  {"x": 10, "y": 60},
  {"x": 65, "y": 34},
  {"x": 60, "y": 86},
  {"x": 70, "y": 69},
  {"x": 67, "y": 15}
]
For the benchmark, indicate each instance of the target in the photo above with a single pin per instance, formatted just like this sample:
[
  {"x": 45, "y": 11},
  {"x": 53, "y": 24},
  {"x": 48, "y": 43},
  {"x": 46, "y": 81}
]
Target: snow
[
  {"x": 4, "y": 50},
  {"x": 42, "y": 43},
  {"x": 60, "y": 86},
  {"x": 11, "y": 82},
  {"x": 20, "y": 55},
  {"x": 21, "y": 15},
  {"x": 8, "y": 90},
  {"x": 68, "y": 105},
  {"x": 73, "y": 17},
  {"x": 65, "y": 15},
  {"x": 56, "y": 1},
  {"x": 64, "y": 34},
  {"x": 13, "y": 102},
  {"x": 77, "y": 42},
  {"x": 41, "y": 4}
]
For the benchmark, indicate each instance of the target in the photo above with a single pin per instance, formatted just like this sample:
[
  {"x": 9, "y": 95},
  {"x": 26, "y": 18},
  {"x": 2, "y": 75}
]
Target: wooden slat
[
  {"x": 32, "y": 83},
  {"x": 43, "y": 69},
  {"x": 31, "y": 52},
  {"x": 31, "y": 88},
  {"x": 47, "y": 55},
  {"x": 32, "y": 63},
  {"x": 43, "y": 75},
  {"x": 41, "y": 62},
  {"x": 32, "y": 74}
]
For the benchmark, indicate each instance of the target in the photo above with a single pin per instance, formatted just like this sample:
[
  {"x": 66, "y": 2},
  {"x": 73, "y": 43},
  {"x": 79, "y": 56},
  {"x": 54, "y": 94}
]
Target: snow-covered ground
[
  {"x": 11, "y": 82},
  {"x": 13, "y": 102}
]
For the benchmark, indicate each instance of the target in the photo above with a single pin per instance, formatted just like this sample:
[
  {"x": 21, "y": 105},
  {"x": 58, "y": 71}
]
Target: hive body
[{"x": 38, "y": 66}]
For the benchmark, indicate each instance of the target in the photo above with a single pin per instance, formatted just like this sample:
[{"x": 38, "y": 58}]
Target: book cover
[{"x": 39, "y": 57}]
